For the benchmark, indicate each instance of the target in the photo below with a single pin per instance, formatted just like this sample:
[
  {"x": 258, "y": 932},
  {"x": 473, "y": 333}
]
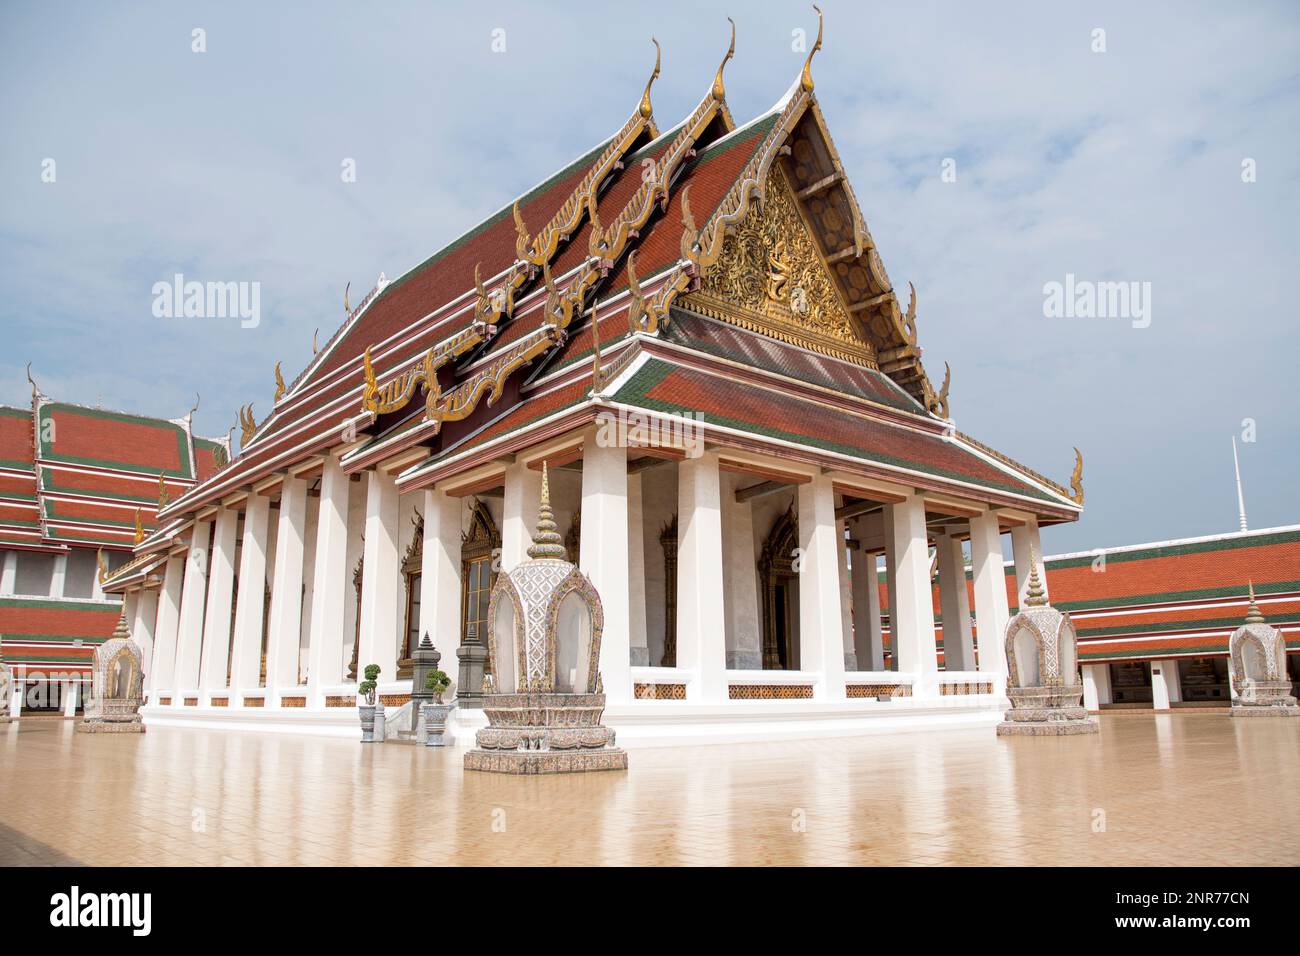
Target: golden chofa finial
[
  {"x": 139, "y": 526},
  {"x": 805, "y": 79},
  {"x": 546, "y": 541},
  {"x": 347, "y": 309},
  {"x": 280, "y": 387},
  {"x": 314, "y": 349},
  {"x": 720, "y": 91},
  {"x": 103, "y": 565},
  {"x": 522, "y": 240},
  {"x": 645, "y": 97},
  {"x": 1076, "y": 479},
  {"x": 163, "y": 497}
]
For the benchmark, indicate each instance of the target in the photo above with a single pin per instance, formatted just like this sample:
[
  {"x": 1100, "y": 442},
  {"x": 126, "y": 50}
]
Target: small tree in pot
[
  {"x": 435, "y": 714},
  {"x": 368, "y": 689},
  {"x": 438, "y": 682}
]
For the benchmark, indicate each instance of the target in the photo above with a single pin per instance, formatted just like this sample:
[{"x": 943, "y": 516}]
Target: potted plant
[
  {"x": 435, "y": 714},
  {"x": 368, "y": 688}
]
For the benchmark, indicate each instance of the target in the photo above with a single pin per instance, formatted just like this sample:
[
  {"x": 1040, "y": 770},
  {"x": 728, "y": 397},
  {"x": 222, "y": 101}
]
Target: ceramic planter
[
  {"x": 435, "y": 723},
  {"x": 367, "y": 712}
]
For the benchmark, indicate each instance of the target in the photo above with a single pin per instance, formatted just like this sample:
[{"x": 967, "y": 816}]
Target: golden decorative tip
[
  {"x": 597, "y": 380},
  {"x": 347, "y": 309},
  {"x": 139, "y": 526},
  {"x": 521, "y": 234},
  {"x": 103, "y": 565},
  {"x": 280, "y": 388},
  {"x": 645, "y": 97},
  {"x": 1035, "y": 596},
  {"x": 1076, "y": 479},
  {"x": 546, "y": 540},
  {"x": 637, "y": 309},
  {"x": 247, "y": 425},
  {"x": 314, "y": 350},
  {"x": 162, "y": 493},
  {"x": 689, "y": 231},
  {"x": 719, "y": 90},
  {"x": 1253, "y": 614},
  {"x": 805, "y": 79}
]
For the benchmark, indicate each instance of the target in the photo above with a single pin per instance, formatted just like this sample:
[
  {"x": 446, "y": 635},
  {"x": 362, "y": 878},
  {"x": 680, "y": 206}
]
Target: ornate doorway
[{"x": 779, "y": 584}]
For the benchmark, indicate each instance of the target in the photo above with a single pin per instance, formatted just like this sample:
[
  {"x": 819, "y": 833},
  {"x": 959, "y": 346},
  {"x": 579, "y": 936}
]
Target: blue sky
[{"x": 1123, "y": 165}]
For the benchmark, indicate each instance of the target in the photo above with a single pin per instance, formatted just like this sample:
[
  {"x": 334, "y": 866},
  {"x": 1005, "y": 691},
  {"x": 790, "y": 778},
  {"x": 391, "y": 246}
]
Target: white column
[
  {"x": 440, "y": 580},
  {"x": 70, "y": 690},
  {"x": 246, "y": 664},
  {"x": 160, "y": 673},
  {"x": 638, "y": 649},
  {"x": 9, "y": 572},
  {"x": 701, "y": 627},
  {"x": 913, "y": 621},
  {"x": 1173, "y": 681},
  {"x": 958, "y": 649},
  {"x": 286, "y": 590},
  {"x": 891, "y": 583},
  {"x": 1024, "y": 540},
  {"x": 1160, "y": 696},
  {"x": 865, "y": 584},
  {"x": 991, "y": 612},
  {"x": 330, "y": 586},
  {"x": 1096, "y": 677},
  {"x": 846, "y": 598},
  {"x": 744, "y": 632},
  {"x": 59, "y": 576},
  {"x": 519, "y": 514},
  {"x": 603, "y": 557},
  {"x": 143, "y": 624},
  {"x": 821, "y": 623},
  {"x": 221, "y": 590},
  {"x": 379, "y": 588},
  {"x": 194, "y": 592}
]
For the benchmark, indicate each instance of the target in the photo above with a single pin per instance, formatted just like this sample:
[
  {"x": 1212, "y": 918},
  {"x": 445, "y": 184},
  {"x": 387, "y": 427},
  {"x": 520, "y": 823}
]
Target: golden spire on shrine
[
  {"x": 1253, "y": 614},
  {"x": 645, "y": 97},
  {"x": 1035, "y": 596},
  {"x": 546, "y": 540},
  {"x": 719, "y": 90},
  {"x": 805, "y": 78}
]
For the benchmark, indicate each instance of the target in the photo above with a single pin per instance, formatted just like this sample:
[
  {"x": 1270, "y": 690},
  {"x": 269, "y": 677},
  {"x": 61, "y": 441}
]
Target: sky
[{"x": 995, "y": 148}]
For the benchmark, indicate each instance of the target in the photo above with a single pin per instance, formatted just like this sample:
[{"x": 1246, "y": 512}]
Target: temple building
[
  {"x": 1154, "y": 620},
  {"x": 693, "y": 328},
  {"x": 79, "y": 488}
]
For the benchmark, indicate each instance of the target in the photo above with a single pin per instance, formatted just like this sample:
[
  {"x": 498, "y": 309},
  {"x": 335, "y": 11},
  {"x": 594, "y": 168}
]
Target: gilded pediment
[{"x": 771, "y": 278}]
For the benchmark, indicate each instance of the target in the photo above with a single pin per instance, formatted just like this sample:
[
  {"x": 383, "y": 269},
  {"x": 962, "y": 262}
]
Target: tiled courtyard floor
[{"x": 1170, "y": 789}]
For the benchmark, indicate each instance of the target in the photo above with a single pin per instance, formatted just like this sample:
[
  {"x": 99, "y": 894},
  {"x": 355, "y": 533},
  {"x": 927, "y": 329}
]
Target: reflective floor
[{"x": 1175, "y": 789}]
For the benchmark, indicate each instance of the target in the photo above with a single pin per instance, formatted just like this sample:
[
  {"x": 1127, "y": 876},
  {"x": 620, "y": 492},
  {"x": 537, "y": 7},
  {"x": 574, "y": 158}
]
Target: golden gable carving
[{"x": 771, "y": 278}]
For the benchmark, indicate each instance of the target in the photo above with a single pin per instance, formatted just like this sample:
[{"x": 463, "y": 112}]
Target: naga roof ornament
[
  {"x": 1076, "y": 479},
  {"x": 247, "y": 425},
  {"x": 280, "y": 387},
  {"x": 719, "y": 90}
]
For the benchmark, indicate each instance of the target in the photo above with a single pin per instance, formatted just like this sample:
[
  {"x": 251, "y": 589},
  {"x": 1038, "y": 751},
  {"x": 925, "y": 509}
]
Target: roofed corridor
[{"x": 1190, "y": 789}]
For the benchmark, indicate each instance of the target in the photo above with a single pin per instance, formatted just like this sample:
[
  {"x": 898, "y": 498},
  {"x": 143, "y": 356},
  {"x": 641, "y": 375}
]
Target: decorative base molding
[
  {"x": 546, "y": 761},
  {"x": 1238, "y": 710},
  {"x": 293, "y": 701},
  {"x": 254, "y": 701},
  {"x": 219, "y": 702},
  {"x": 110, "y": 727},
  {"x": 1049, "y": 728},
  {"x": 967, "y": 687},
  {"x": 349, "y": 701}
]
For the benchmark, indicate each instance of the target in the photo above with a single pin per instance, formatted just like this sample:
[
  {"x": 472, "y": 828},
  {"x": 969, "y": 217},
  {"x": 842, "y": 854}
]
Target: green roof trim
[
  {"x": 48, "y": 453},
  {"x": 1163, "y": 627},
  {"x": 1178, "y": 550},
  {"x": 655, "y": 371},
  {"x": 1174, "y": 597}
]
